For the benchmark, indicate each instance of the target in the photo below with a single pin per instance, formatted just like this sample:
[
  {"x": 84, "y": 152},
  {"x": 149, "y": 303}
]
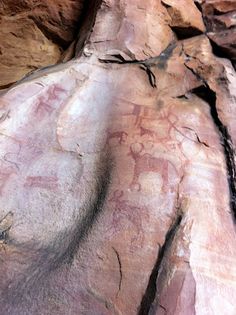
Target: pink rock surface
[{"x": 118, "y": 184}]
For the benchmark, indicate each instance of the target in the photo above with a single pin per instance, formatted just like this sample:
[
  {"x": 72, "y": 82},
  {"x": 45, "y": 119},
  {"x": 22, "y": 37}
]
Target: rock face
[
  {"x": 220, "y": 19},
  {"x": 117, "y": 175},
  {"x": 34, "y": 34}
]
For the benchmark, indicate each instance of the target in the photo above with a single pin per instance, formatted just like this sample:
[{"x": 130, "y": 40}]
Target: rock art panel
[{"x": 117, "y": 172}]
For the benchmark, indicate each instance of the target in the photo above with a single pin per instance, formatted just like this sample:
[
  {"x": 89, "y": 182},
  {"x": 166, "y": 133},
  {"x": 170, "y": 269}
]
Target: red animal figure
[
  {"x": 136, "y": 110},
  {"x": 120, "y": 135},
  {"x": 140, "y": 112},
  {"x": 125, "y": 211},
  {"x": 172, "y": 121},
  {"x": 148, "y": 132},
  {"x": 54, "y": 92},
  {"x": 145, "y": 163},
  {"x": 45, "y": 104},
  {"x": 46, "y": 182}
]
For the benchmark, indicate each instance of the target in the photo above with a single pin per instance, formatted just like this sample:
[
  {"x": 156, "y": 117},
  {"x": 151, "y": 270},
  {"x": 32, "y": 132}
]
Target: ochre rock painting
[{"x": 117, "y": 177}]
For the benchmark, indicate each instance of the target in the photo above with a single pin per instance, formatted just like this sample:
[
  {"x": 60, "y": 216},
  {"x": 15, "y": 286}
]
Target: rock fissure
[
  {"x": 197, "y": 137},
  {"x": 185, "y": 32},
  {"x": 198, "y": 5},
  {"x": 120, "y": 269},
  {"x": 150, "y": 292},
  {"x": 208, "y": 95},
  {"x": 146, "y": 64},
  {"x": 205, "y": 92},
  {"x": 222, "y": 52},
  {"x": 162, "y": 307},
  {"x": 143, "y": 65},
  {"x": 87, "y": 23}
]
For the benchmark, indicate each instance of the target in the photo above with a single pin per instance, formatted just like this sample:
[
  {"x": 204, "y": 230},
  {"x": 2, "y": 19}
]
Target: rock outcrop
[
  {"x": 34, "y": 34},
  {"x": 220, "y": 20},
  {"x": 117, "y": 175}
]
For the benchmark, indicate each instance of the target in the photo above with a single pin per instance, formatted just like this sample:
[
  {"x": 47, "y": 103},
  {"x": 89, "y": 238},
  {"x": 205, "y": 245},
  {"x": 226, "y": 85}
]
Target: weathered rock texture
[
  {"x": 117, "y": 175},
  {"x": 220, "y": 19},
  {"x": 34, "y": 34}
]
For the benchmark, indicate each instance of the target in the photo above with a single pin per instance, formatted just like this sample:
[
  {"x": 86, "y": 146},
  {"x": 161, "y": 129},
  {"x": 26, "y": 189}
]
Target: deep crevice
[
  {"x": 217, "y": 50},
  {"x": 209, "y": 96},
  {"x": 217, "y": 12},
  {"x": 150, "y": 292},
  {"x": 185, "y": 32},
  {"x": 222, "y": 52},
  {"x": 167, "y": 6},
  {"x": 198, "y": 5},
  {"x": 183, "y": 97},
  {"x": 159, "y": 61},
  {"x": 87, "y": 23}
]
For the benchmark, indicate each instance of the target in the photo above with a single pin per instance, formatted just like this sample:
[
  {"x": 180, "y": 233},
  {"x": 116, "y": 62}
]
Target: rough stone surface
[
  {"x": 34, "y": 34},
  {"x": 117, "y": 175},
  {"x": 220, "y": 19},
  {"x": 186, "y": 19}
]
